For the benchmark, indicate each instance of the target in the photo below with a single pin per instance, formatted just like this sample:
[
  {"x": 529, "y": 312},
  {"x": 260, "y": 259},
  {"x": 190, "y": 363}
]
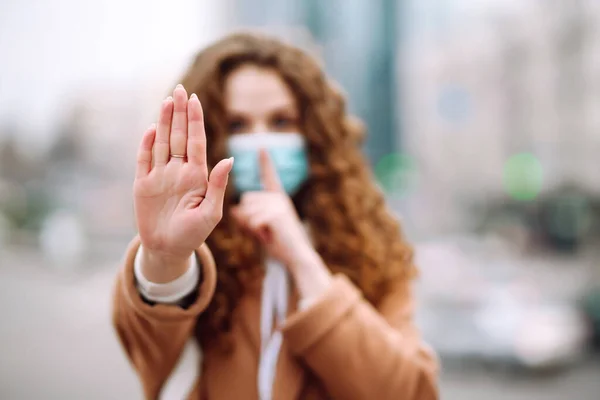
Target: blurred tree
[
  {"x": 68, "y": 147},
  {"x": 26, "y": 210},
  {"x": 28, "y": 200},
  {"x": 14, "y": 167}
]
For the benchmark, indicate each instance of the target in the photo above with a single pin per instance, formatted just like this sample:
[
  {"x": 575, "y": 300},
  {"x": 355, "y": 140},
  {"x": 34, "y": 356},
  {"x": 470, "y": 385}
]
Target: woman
[{"x": 294, "y": 278}]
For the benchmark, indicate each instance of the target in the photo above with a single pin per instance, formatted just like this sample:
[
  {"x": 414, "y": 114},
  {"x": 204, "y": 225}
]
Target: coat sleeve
[
  {"x": 154, "y": 336},
  {"x": 359, "y": 352}
]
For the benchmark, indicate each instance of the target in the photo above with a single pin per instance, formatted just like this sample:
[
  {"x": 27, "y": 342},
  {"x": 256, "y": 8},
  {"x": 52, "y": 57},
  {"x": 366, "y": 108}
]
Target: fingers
[
  {"x": 255, "y": 220},
  {"x": 179, "y": 124},
  {"x": 144, "y": 157},
  {"x": 258, "y": 204},
  {"x": 196, "y": 141},
  {"x": 256, "y": 224},
  {"x": 260, "y": 227},
  {"x": 217, "y": 183},
  {"x": 258, "y": 221},
  {"x": 268, "y": 174},
  {"x": 161, "y": 145}
]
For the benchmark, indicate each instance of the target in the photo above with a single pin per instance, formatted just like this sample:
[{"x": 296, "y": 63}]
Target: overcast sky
[{"x": 47, "y": 47}]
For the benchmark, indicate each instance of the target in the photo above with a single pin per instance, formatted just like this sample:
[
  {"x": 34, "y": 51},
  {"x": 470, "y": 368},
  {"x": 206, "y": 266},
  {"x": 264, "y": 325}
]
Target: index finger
[{"x": 268, "y": 174}]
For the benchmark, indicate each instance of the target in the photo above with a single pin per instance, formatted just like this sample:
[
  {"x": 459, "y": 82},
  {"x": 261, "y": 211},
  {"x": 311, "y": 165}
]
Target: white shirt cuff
[{"x": 170, "y": 292}]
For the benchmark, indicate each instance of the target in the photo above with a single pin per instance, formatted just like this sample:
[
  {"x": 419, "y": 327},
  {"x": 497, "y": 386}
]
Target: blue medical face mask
[{"x": 288, "y": 154}]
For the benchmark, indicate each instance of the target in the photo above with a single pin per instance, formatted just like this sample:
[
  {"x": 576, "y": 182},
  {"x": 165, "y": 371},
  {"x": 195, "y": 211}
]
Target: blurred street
[
  {"x": 57, "y": 338},
  {"x": 57, "y": 342}
]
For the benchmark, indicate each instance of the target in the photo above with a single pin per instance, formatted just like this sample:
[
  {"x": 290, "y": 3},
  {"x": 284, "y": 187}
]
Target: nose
[{"x": 259, "y": 126}]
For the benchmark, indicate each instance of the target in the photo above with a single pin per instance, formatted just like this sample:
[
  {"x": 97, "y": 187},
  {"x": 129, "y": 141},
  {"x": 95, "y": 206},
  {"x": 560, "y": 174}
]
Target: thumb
[
  {"x": 268, "y": 174},
  {"x": 217, "y": 183}
]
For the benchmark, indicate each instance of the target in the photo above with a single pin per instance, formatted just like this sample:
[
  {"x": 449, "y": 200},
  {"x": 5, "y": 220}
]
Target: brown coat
[{"x": 340, "y": 347}]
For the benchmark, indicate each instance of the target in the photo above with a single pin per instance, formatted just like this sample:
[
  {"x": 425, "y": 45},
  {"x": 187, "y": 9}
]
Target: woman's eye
[
  {"x": 236, "y": 126},
  {"x": 282, "y": 123}
]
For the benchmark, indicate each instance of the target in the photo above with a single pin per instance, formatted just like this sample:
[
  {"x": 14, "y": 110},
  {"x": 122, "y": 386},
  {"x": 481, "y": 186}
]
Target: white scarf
[{"x": 274, "y": 306}]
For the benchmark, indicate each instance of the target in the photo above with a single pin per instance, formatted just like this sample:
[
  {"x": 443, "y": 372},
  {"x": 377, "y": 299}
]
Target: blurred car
[{"x": 475, "y": 303}]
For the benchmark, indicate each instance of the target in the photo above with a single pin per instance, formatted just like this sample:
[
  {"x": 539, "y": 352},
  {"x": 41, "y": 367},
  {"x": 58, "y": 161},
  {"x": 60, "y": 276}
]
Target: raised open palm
[{"x": 177, "y": 204}]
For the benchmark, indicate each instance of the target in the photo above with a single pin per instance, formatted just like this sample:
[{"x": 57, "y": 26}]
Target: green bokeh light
[
  {"x": 397, "y": 174},
  {"x": 523, "y": 177}
]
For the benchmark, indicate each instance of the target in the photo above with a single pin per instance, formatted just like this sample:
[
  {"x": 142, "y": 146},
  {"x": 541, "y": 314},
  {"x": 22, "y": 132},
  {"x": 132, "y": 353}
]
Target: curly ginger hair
[{"x": 353, "y": 231}]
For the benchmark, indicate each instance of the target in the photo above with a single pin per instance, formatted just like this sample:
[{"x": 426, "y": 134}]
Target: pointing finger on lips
[{"x": 268, "y": 174}]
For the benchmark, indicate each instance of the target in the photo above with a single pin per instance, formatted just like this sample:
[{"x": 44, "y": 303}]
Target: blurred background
[{"x": 484, "y": 132}]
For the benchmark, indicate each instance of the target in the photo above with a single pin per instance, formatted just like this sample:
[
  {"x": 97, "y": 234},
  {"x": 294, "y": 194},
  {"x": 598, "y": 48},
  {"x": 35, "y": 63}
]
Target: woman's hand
[
  {"x": 270, "y": 215},
  {"x": 177, "y": 204}
]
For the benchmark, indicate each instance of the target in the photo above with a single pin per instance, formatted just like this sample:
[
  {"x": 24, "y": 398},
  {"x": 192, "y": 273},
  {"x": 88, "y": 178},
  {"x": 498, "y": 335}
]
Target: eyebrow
[{"x": 286, "y": 108}]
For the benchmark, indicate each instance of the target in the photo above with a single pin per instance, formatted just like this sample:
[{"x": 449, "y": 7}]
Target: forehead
[{"x": 255, "y": 90}]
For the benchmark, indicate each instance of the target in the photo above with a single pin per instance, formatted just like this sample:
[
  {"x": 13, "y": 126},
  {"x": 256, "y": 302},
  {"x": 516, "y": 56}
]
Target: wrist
[
  {"x": 311, "y": 275},
  {"x": 158, "y": 267},
  {"x": 304, "y": 258}
]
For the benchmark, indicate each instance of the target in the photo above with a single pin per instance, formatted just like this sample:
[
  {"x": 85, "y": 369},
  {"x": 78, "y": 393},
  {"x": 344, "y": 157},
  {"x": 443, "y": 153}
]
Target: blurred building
[{"x": 483, "y": 84}]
